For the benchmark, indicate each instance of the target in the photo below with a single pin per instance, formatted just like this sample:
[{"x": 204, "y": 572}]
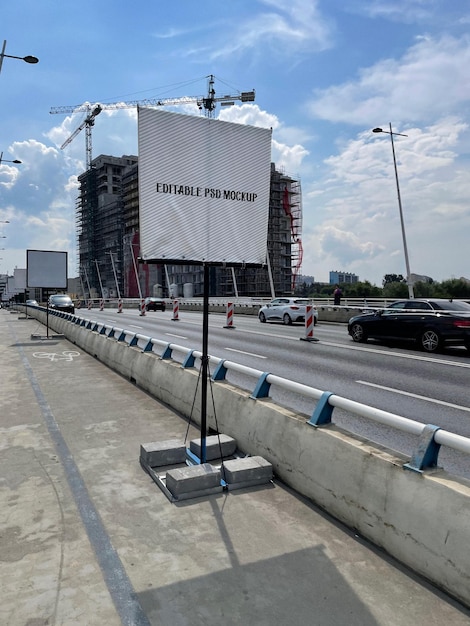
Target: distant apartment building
[
  {"x": 107, "y": 220},
  {"x": 343, "y": 277}
]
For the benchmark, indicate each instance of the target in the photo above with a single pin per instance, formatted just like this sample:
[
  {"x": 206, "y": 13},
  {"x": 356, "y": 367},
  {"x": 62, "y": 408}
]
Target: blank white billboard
[
  {"x": 46, "y": 269},
  {"x": 203, "y": 189}
]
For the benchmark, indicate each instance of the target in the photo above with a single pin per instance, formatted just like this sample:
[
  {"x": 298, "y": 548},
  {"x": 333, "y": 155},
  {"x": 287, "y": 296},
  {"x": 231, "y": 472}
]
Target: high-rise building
[{"x": 100, "y": 226}]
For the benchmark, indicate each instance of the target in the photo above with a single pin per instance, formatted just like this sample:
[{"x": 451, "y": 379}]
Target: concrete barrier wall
[{"x": 420, "y": 519}]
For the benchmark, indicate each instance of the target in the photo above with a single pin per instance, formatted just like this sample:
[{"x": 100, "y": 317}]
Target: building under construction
[
  {"x": 107, "y": 219},
  {"x": 100, "y": 226}
]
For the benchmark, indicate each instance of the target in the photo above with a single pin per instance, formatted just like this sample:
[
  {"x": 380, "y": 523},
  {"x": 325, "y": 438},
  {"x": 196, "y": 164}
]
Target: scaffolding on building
[{"x": 292, "y": 204}]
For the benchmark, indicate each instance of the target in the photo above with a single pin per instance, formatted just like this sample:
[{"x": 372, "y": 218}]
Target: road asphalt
[{"x": 87, "y": 538}]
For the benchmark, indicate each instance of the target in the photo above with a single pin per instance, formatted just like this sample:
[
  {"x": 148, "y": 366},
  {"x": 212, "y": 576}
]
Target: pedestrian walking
[{"x": 337, "y": 295}]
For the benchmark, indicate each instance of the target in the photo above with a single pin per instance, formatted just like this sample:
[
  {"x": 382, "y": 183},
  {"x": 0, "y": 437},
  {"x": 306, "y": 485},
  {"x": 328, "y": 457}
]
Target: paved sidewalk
[{"x": 87, "y": 538}]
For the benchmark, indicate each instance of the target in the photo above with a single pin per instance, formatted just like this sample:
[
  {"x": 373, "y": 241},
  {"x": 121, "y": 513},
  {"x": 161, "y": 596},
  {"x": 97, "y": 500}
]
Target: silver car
[{"x": 286, "y": 310}]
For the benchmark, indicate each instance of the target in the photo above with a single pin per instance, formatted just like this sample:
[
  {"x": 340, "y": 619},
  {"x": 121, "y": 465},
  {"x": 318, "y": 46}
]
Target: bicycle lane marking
[{"x": 117, "y": 581}]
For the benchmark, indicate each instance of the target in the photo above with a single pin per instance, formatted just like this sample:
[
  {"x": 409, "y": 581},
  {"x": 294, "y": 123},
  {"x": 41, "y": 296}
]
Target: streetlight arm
[{"x": 28, "y": 58}]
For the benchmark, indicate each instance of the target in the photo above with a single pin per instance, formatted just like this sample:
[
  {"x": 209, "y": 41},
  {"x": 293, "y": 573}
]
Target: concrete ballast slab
[
  {"x": 249, "y": 470},
  {"x": 159, "y": 453},
  {"x": 215, "y": 446},
  {"x": 194, "y": 478}
]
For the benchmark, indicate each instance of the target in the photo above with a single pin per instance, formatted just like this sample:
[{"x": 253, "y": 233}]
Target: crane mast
[
  {"x": 206, "y": 103},
  {"x": 87, "y": 124}
]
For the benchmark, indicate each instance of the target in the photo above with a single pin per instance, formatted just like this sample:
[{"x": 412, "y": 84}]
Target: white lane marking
[
  {"x": 133, "y": 326},
  {"x": 413, "y": 357},
  {"x": 345, "y": 346},
  {"x": 415, "y": 395},
  {"x": 258, "y": 356},
  {"x": 177, "y": 336}
]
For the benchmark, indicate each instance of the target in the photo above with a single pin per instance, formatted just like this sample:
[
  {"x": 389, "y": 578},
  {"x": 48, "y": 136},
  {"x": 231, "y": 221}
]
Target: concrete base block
[
  {"x": 192, "y": 481},
  {"x": 159, "y": 453},
  {"x": 249, "y": 471},
  {"x": 215, "y": 445}
]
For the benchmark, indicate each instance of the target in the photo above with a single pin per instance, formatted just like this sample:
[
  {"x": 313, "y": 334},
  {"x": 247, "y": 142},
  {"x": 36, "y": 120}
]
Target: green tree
[
  {"x": 361, "y": 290},
  {"x": 455, "y": 288},
  {"x": 396, "y": 290}
]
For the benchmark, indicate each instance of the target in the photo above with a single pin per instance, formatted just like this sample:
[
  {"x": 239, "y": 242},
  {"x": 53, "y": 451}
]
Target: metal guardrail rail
[{"x": 430, "y": 437}]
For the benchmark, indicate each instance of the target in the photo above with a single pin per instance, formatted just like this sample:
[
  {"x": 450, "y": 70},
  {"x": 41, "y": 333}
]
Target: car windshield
[
  {"x": 452, "y": 305},
  {"x": 61, "y": 299}
]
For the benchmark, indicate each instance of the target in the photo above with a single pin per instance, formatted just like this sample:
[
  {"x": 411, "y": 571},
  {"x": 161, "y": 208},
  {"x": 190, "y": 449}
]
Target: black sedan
[{"x": 430, "y": 324}]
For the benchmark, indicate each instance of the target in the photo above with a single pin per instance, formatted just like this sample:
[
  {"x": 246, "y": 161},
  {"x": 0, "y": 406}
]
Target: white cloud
[
  {"x": 286, "y": 28},
  {"x": 399, "y": 10},
  {"x": 430, "y": 78},
  {"x": 351, "y": 216}
]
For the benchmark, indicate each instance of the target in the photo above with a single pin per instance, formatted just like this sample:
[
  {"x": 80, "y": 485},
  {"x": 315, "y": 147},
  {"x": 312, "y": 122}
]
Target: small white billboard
[
  {"x": 203, "y": 189},
  {"x": 46, "y": 269}
]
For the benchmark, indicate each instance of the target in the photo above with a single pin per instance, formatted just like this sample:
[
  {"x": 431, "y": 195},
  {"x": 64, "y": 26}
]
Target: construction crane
[
  {"x": 87, "y": 124},
  {"x": 207, "y": 103}
]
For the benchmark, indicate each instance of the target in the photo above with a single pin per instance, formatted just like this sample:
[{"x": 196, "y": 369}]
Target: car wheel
[
  {"x": 467, "y": 346},
  {"x": 286, "y": 319},
  {"x": 430, "y": 341},
  {"x": 262, "y": 318},
  {"x": 358, "y": 333}
]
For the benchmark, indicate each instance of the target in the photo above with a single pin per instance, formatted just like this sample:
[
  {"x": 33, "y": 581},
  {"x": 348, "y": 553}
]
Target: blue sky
[{"x": 325, "y": 73}]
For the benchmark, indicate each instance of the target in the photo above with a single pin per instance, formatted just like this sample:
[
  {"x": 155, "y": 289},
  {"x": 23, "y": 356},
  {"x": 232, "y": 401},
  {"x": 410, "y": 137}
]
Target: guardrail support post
[
  {"x": 323, "y": 411},
  {"x": 166, "y": 354},
  {"x": 189, "y": 360},
  {"x": 262, "y": 387},
  {"x": 148, "y": 347},
  {"x": 220, "y": 371},
  {"x": 425, "y": 455}
]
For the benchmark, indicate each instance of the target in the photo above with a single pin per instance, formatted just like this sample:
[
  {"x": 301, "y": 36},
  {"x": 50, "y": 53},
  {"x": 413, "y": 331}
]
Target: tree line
[{"x": 393, "y": 286}]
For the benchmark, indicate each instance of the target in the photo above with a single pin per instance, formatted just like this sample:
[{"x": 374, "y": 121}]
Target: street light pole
[
  {"x": 400, "y": 208},
  {"x": 27, "y": 59},
  {"x": 2, "y": 160}
]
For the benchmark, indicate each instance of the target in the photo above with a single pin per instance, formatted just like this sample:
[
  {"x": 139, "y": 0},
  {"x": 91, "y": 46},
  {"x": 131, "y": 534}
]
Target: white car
[{"x": 286, "y": 310}]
